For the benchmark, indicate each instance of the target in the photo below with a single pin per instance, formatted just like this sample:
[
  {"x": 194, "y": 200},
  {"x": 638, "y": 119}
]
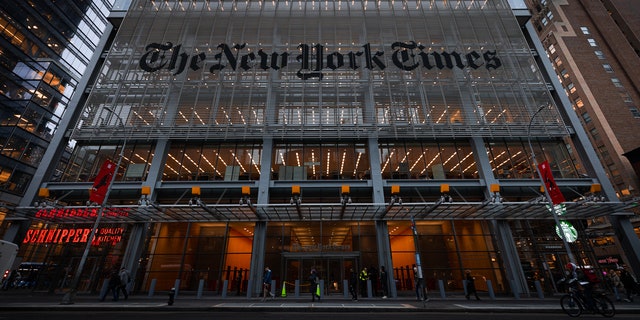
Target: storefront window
[
  {"x": 447, "y": 249},
  {"x": 190, "y": 252}
]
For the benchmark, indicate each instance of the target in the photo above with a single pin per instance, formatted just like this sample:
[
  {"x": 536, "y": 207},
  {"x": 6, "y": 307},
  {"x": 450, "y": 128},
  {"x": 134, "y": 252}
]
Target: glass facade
[
  {"x": 45, "y": 48},
  {"x": 314, "y": 114}
]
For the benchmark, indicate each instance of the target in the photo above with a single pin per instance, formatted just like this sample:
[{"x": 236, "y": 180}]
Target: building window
[
  {"x": 626, "y": 97},
  {"x": 607, "y": 67},
  {"x": 564, "y": 73},
  {"x": 592, "y": 42},
  {"x": 579, "y": 103},
  {"x": 443, "y": 160},
  {"x": 635, "y": 112},
  {"x": 616, "y": 82},
  {"x": 571, "y": 88},
  {"x": 552, "y": 49},
  {"x": 599, "y": 54},
  {"x": 557, "y": 61},
  {"x": 550, "y": 15},
  {"x": 595, "y": 134},
  {"x": 586, "y": 117}
]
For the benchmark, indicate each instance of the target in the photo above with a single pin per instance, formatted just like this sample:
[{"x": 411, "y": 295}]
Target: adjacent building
[
  {"x": 327, "y": 135},
  {"x": 45, "y": 48}
]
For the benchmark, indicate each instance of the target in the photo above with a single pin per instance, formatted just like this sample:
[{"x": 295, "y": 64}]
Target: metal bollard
[{"x": 172, "y": 295}]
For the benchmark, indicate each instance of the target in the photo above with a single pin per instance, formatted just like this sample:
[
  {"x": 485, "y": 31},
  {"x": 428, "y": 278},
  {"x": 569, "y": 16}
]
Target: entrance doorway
[{"x": 332, "y": 267}]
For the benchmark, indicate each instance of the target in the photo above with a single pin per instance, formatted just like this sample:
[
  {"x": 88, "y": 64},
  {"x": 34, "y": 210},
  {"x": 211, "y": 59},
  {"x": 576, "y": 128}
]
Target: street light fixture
[
  {"x": 70, "y": 295},
  {"x": 546, "y": 191}
]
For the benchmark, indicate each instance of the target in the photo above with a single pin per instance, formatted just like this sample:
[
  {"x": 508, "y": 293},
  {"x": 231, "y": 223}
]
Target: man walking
[
  {"x": 266, "y": 284},
  {"x": 125, "y": 278}
]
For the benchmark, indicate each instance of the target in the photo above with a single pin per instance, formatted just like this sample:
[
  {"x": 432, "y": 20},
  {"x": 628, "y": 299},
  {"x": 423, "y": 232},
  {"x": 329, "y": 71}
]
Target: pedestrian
[
  {"x": 266, "y": 284},
  {"x": 384, "y": 282},
  {"x": 125, "y": 278},
  {"x": 629, "y": 284},
  {"x": 374, "y": 277},
  {"x": 363, "y": 277},
  {"x": 421, "y": 290},
  {"x": 114, "y": 283},
  {"x": 353, "y": 284},
  {"x": 471, "y": 285},
  {"x": 314, "y": 283},
  {"x": 614, "y": 283}
]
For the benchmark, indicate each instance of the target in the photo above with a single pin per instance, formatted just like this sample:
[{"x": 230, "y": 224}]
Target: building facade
[
  {"x": 594, "y": 48},
  {"x": 45, "y": 48},
  {"x": 330, "y": 135}
]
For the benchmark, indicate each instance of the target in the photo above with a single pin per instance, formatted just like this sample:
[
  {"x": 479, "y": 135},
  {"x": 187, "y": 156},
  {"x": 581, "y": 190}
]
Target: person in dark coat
[
  {"x": 114, "y": 284},
  {"x": 629, "y": 284},
  {"x": 353, "y": 284},
  {"x": 384, "y": 282},
  {"x": 471, "y": 286},
  {"x": 314, "y": 282}
]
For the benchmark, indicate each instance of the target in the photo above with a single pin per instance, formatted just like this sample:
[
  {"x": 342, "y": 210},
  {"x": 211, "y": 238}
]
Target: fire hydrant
[{"x": 172, "y": 296}]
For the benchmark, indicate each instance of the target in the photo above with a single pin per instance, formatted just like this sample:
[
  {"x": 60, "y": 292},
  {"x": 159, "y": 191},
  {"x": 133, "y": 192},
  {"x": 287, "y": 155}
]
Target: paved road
[
  {"x": 208, "y": 315},
  {"x": 37, "y": 302}
]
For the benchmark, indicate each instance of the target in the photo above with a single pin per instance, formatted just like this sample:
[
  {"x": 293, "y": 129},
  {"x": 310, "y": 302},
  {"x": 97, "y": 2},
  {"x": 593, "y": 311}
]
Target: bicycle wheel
[
  {"x": 605, "y": 306},
  {"x": 570, "y": 305}
]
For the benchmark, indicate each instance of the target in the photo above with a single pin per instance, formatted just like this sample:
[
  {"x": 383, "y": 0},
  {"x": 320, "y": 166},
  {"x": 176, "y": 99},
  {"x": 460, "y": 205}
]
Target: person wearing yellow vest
[{"x": 363, "y": 277}]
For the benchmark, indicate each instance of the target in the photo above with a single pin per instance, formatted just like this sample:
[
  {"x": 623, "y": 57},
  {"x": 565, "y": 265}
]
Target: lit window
[
  {"x": 616, "y": 82},
  {"x": 557, "y": 61},
  {"x": 564, "y": 73},
  {"x": 550, "y": 15},
  {"x": 607, "y": 68},
  {"x": 552, "y": 49},
  {"x": 592, "y": 42},
  {"x": 584, "y": 30},
  {"x": 579, "y": 103}
]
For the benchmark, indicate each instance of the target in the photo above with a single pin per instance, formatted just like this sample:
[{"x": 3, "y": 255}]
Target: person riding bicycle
[{"x": 578, "y": 279}]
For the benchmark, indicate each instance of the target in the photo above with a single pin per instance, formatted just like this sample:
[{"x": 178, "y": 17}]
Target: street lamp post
[
  {"x": 70, "y": 295},
  {"x": 546, "y": 190}
]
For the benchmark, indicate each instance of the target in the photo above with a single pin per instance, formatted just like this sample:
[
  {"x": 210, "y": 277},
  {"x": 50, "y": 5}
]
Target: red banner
[
  {"x": 102, "y": 181},
  {"x": 552, "y": 187}
]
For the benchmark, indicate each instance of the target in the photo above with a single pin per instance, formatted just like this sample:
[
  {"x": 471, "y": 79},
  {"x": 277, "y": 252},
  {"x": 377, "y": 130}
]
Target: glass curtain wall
[
  {"x": 190, "y": 252},
  {"x": 447, "y": 249},
  {"x": 428, "y": 160},
  {"x": 87, "y": 160},
  {"x": 315, "y": 161},
  {"x": 49, "y": 251},
  {"x": 191, "y": 160}
]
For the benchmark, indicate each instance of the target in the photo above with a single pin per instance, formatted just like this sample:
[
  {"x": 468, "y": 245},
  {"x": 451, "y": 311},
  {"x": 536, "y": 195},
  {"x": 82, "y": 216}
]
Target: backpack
[{"x": 591, "y": 276}]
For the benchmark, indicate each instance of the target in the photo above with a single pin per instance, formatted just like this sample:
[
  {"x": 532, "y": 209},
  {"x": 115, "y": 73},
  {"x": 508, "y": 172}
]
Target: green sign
[{"x": 570, "y": 233}]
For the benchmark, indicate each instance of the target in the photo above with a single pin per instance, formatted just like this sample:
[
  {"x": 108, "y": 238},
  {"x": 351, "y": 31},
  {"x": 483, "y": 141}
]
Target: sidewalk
[{"x": 52, "y": 302}]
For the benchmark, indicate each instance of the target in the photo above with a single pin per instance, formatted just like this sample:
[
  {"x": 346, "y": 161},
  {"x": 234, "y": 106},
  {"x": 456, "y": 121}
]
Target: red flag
[
  {"x": 552, "y": 187},
  {"x": 101, "y": 184}
]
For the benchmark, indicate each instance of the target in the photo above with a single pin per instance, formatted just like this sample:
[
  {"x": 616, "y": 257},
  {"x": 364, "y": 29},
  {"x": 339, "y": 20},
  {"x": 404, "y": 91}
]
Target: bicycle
[{"x": 574, "y": 303}]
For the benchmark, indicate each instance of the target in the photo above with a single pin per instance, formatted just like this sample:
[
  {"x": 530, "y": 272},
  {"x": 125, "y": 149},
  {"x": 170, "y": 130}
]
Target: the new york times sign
[{"x": 312, "y": 60}]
